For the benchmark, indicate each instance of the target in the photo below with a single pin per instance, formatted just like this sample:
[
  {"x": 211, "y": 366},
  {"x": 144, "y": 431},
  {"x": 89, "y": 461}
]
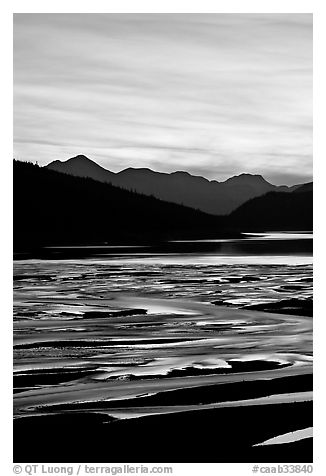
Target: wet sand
[{"x": 137, "y": 362}]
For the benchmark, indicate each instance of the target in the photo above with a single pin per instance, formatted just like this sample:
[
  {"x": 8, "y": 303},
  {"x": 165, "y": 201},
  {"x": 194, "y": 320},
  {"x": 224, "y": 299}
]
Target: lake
[{"x": 147, "y": 335}]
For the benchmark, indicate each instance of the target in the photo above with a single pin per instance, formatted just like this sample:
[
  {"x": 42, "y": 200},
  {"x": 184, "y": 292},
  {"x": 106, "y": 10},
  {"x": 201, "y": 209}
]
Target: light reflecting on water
[
  {"x": 101, "y": 331},
  {"x": 203, "y": 259},
  {"x": 280, "y": 235}
]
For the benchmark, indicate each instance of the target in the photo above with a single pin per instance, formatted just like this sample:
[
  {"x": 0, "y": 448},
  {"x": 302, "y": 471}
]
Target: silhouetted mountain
[
  {"x": 218, "y": 198},
  {"x": 81, "y": 166},
  {"x": 306, "y": 187},
  {"x": 54, "y": 208},
  {"x": 275, "y": 211}
]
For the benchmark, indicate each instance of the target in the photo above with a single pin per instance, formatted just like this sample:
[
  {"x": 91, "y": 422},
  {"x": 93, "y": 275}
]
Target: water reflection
[{"x": 279, "y": 248}]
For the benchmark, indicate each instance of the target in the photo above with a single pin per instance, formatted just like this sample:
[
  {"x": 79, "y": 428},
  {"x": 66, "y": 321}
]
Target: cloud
[{"x": 220, "y": 93}]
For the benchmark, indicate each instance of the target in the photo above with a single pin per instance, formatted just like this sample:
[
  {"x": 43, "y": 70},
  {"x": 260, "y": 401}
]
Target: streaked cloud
[{"x": 215, "y": 94}]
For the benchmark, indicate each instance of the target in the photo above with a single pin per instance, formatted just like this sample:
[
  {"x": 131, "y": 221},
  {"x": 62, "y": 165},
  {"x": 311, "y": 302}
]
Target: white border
[{"x": 167, "y": 6}]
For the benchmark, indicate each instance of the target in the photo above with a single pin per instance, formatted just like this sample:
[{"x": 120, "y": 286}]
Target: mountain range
[
  {"x": 52, "y": 208},
  {"x": 213, "y": 197}
]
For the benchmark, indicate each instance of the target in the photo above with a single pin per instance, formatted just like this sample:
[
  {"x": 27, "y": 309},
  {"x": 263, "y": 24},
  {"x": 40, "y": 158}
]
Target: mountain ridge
[
  {"x": 52, "y": 208},
  {"x": 275, "y": 211},
  {"x": 209, "y": 196}
]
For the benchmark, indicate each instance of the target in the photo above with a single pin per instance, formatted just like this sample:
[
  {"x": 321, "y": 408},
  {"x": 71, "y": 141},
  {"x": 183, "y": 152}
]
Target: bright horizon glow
[{"x": 215, "y": 95}]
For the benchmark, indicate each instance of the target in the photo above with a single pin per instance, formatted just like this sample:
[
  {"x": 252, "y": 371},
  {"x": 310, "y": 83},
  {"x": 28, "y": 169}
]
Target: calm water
[{"x": 115, "y": 330}]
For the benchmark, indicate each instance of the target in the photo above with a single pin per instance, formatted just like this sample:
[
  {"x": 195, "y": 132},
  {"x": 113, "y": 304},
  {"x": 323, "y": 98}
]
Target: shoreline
[{"x": 217, "y": 435}]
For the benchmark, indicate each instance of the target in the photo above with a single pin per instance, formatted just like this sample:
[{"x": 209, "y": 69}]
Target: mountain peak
[
  {"x": 81, "y": 166},
  {"x": 247, "y": 178},
  {"x": 180, "y": 172},
  {"x": 80, "y": 158},
  {"x": 79, "y": 161},
  {"x": 135, "y": 170}
]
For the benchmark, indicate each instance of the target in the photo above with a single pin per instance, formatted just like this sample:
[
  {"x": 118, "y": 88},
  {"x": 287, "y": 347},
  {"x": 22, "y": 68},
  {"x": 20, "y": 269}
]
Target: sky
[{"x": 212, "y": 94}]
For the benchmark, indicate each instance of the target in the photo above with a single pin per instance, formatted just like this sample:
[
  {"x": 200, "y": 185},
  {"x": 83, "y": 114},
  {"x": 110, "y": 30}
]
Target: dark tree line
[{"x": 54, "y": 208}]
